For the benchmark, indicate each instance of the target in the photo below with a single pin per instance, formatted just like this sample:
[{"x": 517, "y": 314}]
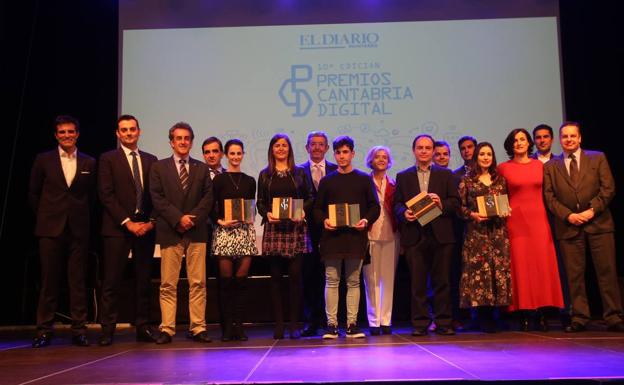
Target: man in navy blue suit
[
  {"x": 313, "y": 271},
  {"x": 428, "y": 248},
  {"x": 62, "y": 184},
  {"x": 127, "y": 225}
]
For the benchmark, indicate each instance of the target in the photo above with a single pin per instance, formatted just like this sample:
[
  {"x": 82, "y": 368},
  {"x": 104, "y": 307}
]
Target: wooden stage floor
[{"x": 592, "y": 357}]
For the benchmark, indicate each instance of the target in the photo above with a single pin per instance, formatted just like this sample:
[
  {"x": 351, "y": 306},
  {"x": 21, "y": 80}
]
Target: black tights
[
  {"x": 238, "y": 267},
  {"x": 295, "y": 292}
]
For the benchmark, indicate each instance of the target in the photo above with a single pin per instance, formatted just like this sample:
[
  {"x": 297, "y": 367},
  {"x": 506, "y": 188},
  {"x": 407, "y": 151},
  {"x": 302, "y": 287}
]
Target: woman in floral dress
[{"x": 486, "y": 276}]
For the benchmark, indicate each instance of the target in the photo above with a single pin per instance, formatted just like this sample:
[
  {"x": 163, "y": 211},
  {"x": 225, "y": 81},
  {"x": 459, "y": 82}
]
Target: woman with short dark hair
[{"x": 535, "y": 275}]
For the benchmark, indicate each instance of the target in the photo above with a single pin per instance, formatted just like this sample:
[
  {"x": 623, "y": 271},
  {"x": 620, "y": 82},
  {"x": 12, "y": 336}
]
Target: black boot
[
  {"x": 226, "y": 294},
  {"x": 524, "y": 321},
  {"x": 240, "y": 295}
]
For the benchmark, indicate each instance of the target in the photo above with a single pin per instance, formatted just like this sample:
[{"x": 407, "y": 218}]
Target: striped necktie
[{"x": 184, "y": 176}]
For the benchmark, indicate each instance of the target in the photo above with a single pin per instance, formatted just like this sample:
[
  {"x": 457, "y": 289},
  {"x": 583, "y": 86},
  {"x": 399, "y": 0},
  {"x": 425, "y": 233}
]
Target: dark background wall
[{"x": 61, "y": 58}]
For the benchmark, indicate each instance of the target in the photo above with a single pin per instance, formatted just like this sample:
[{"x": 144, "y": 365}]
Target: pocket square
[{"x": 85, "y": 172}]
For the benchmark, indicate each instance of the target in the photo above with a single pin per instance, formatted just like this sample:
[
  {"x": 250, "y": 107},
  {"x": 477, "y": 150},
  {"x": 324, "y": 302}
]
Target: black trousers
[
  {"x": 294, "y": 288},
  {"x": 602, "y": 249},
  {"x": 428, "y": 258},
  {"x": 114, "y": 262},
  {"x": 314, "y": 284},
  {"x": 65, "y": 252}
]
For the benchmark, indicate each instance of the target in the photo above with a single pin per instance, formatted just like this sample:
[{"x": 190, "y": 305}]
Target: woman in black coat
[{"x": 284, "y": 241}]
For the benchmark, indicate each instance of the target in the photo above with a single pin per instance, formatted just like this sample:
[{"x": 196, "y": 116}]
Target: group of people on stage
[{"x": 461, "y": 259}]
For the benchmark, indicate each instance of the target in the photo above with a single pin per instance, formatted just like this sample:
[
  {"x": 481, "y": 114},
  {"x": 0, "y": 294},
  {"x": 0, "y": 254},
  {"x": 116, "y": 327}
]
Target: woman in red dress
[{"x": 535, "y": 275}]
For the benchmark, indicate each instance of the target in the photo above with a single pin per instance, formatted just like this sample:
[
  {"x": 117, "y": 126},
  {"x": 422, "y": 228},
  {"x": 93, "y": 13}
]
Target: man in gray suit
[
  {"x": 578, "y": 187},
  {"x": 181, "y": 191}
]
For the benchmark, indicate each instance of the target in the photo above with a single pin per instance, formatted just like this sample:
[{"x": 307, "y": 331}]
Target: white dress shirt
[
  {"x": 127, "y": 151},
  {"x": 69, "y": 165}
]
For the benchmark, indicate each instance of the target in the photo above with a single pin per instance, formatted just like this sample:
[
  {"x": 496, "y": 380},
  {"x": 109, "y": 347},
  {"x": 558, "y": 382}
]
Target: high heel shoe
[
  {"x": 278, "y": 332},
  {"x": 524, "y": 323},
  {"x": 542, "y": 323}
]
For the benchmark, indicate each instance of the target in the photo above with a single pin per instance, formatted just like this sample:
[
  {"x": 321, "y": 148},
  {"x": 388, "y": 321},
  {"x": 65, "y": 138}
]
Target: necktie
[
  {"x": 317, "y": 174},
  {"x": 184, "y": 176},
  {"x": 574, "y": 169},
  {"x": 138, "y": 188},
  {"x": 214, "y": 173}
]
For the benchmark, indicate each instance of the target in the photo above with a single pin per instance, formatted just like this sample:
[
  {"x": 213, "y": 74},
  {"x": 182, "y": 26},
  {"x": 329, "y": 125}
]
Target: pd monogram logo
[{"x": 292, "y": 95}]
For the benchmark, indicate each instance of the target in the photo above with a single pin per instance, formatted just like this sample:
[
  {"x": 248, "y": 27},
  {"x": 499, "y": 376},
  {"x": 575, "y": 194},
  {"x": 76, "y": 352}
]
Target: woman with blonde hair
[{"x": 383, "y": 246}]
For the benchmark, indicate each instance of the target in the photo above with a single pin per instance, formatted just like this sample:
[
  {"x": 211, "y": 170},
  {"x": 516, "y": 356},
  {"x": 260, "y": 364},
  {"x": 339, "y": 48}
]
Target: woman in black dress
[
  {"x": 284, "y": 241},
  {"x": 234, "y": 242}
]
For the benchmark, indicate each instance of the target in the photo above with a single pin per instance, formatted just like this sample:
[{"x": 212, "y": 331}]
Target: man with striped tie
[{"x": 181, "y": 191}]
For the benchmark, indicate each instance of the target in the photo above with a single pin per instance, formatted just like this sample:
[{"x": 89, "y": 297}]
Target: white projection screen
[{"x": 481, "y": 71}]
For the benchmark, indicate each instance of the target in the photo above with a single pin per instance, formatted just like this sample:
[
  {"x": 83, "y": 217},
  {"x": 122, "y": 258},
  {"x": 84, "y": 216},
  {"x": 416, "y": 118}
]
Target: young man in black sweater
[{"x": 344, "y": 243}]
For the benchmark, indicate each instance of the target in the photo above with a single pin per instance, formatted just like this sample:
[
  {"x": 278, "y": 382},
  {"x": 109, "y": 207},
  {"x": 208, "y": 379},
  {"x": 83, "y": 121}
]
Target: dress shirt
[
  {"x": 177, "y": 159},
  {"x": 127, "y": 151},
  {"x": 322, "y": 166},
  {"x": 69, "y": 164},
  {"x": 567, "y": 160},
  {"x": 423, "y": 177},
  {"x": 543, "y": 158}
]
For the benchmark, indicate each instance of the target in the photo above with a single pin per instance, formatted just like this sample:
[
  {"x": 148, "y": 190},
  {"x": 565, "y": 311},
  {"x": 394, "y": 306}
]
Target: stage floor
[{"x": 469, "y": 356}]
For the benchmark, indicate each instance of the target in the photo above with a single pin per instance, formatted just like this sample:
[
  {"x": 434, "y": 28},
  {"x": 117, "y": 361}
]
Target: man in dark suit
[
  {"x": 578, "y": 187},
  {"x": 123, "y": 187},
  {"x": 212, "y": 150},
  {"x": 441, "y": 153},
  {"x": 181, "y": 191},
  {"x": 543, "y": 139},
  {"x": 313, "y": 271},
  {"x": 428, "y": 248},
  {"x": 466, "y": 145},
  {"x": 61, "y": 190}
]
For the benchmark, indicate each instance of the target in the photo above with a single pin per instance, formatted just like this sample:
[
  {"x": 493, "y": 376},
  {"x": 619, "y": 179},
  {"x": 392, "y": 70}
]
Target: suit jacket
[
  {"x": 535, "y": 156},
  {"x": 460, "y": 171},
  {"x": 441, "y": 182},
  {"x": 171, "y": 203},
  {"x": 314, "y": 228},
  {"x": 329, "y": 167},
  {"x": 116, "y": 190},
  {"x": 595, "y": 189},
  {"x": 54, "y": 203}
]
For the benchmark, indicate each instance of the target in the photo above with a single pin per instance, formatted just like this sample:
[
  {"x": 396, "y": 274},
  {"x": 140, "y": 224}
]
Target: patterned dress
[
  {"x": 486, "y": 272},
  {"x": 238, "y": 240}
]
